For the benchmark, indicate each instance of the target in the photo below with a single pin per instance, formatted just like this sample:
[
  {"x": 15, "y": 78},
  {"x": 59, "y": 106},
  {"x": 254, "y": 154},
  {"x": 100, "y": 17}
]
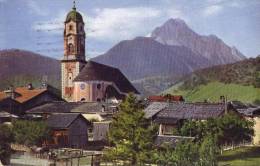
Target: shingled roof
[
  {"x": 199, "y": 111},
  {"x": 72, "y": 107},
  {"x": 62, "y": 121},
  {"x": 154, "y": 108},
  {"x": 251, "y": 111},
  {"x": 94, "y": 71},
  {"x": 166, "y": 98},
  {"x": 24, "y": 94}
]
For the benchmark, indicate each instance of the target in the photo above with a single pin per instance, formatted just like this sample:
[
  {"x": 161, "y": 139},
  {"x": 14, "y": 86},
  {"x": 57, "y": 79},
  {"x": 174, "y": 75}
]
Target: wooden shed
[{"x": 69, "y": 130}]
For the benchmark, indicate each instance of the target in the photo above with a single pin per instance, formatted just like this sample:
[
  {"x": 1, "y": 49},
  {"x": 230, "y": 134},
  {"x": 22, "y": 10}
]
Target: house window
[
  {"x": 98, "y": 86},
  {"x": 70, "y": 27},
  {"x": 70, "y": 80},
  {"x": 90, "y": 134}
]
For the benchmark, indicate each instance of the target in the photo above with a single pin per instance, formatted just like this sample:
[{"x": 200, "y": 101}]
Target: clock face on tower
[
  {"x": 82, "y": 86},
  {"x": 70, "y": 39}
]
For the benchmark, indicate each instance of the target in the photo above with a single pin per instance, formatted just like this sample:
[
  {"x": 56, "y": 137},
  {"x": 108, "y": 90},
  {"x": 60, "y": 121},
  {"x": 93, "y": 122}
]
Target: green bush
[
  {"x": 6, "y": 137},
  {"x": 30, "y": 132}
]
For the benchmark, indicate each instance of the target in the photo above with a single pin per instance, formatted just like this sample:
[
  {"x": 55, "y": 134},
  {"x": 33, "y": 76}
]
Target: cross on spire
[{"x": 74, "y": 5}]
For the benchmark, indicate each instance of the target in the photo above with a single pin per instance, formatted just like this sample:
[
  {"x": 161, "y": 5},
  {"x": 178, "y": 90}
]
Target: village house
[
  {"x": 250, "y": 112},
  {"x": 170, "y": 115},
  {"x": 68, "y": 130},
  {"x": 97, "y": 113},
  {"x": 177, "y": 113},
  {"x": 17, "y": 100}
]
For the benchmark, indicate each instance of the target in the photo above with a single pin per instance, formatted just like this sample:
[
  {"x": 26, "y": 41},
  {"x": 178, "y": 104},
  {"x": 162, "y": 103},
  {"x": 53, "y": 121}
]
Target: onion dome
[{"x": 74, "y": 16}]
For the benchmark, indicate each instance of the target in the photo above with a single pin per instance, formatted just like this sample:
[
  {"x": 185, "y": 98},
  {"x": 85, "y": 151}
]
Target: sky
[{"x": 37, "y": 25}]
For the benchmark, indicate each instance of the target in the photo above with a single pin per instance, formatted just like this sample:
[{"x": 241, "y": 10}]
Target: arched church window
[
  {"x": 71, "y": 48},
  {"x": 83, "y": 99},
  {"x": 70, "y": 27}
]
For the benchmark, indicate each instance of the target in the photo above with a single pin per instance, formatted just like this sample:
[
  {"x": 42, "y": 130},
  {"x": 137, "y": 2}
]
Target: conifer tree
[{"x": 131, "y": 135}]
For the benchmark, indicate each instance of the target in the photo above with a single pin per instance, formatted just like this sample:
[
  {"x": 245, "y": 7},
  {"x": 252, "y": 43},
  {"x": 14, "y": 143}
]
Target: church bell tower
[{"x": 74, "y": 52}]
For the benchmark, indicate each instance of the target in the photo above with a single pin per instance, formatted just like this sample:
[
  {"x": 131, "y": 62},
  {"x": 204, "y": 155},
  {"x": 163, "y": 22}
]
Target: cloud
[
  {"x": 54, "y": 26},
  {"x": 35, "y": 8},
  {"x": 114, "y": 24},
  {"x": 212, "y": 10},
  {"x": 125, "y": 23}
]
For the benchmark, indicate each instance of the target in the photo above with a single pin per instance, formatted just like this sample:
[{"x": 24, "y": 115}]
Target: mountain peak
[
  {"x": 175, "y": 32},
  {"x": 175, "y": 24},
  {"x": 175, "y": 21}
]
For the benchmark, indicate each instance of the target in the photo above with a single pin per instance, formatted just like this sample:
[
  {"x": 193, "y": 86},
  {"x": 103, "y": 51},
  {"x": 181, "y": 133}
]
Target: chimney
[
  {"x": 29, "y": 86},
  {"x": 226, "y": 105},
  {"x": 222, "y": 99},
  {"x": 10, "y": 92},
  {"x": 44, "y": 86}
]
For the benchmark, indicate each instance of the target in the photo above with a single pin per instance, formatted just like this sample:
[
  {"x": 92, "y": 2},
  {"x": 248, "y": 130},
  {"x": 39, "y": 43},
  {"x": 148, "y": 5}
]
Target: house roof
[
  {"x": 72, "y": 107},
  {"x": 62, "y": 121},
  {"x": 89, "y": 107},
  {"x": 238, "y": 105},
  {"x": 250, "y": 111},
  {"x": 165, "y": 98},
  {"x": 4, "y": 114},
  {"x": 154, "y": 108},
  {"x": 23, "y": 94},
  {"x": 55, "y": 107},
  {"x": 27, "y": 94},
  {"x": 245, "y": 109},
  {"x": 177, "y": 111},
  {"x": 94, "y": 116},
  {"x": 94, "y": 71}
]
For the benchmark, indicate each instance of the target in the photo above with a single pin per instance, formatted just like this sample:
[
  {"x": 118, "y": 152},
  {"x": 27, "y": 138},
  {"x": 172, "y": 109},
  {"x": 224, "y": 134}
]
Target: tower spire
[{"x": 74, "y": 5}]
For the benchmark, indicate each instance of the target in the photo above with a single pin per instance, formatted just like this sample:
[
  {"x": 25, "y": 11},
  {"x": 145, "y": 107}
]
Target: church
[{"x": 87, "y": 81}]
